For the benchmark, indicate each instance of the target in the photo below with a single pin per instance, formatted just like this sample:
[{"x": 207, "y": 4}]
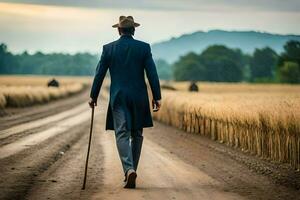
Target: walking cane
[{"x": 88, "y": 152}]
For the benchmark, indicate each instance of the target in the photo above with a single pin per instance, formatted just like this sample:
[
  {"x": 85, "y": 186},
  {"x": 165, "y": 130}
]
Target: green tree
[
  {"x": 291, "y": 52},
  {"x": 223, "y": 64},
  {"x": 189, "y": 68},
  {"x": 262, "y": 64},
  {"x": 216, "y": 63},
  {"x": 51, "y": 64},
  {"x": 3, "y": 58},
  {"x": 8, "y": 64},
  {"x": 289, "y": 63},
  {"x": 290, "y": 72},
  {"x": 164, "y": 69}
]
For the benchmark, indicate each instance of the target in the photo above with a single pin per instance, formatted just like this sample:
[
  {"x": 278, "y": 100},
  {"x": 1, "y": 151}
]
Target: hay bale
[{"x": 193, "y": 87}]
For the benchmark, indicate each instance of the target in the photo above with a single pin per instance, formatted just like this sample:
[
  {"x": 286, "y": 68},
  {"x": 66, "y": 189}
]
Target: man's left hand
[{"x": 156, "y": 105}]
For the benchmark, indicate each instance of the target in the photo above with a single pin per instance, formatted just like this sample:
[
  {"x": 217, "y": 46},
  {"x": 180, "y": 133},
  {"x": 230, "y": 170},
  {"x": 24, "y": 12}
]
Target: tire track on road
[
  {"x": 20, "y": 171},
  {"x": 36, "y": 138},
  {"x": 24, "y": 160},
  {"x": 41, "y": 122},
  {"x": 68, "y": 171}
]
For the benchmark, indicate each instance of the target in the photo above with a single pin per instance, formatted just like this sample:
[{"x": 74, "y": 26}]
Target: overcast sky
[{"x": 81, "y": 25}]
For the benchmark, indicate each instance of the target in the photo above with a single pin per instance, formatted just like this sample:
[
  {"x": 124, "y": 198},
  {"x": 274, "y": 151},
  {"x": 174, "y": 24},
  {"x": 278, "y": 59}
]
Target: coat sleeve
[
  {"x": 101, "y": 70},
  {"x": 152, "y": 74}
]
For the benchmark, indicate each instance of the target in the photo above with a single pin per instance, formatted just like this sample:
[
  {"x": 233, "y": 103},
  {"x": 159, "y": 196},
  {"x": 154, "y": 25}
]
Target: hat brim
[{"x": 118, "y": 25}]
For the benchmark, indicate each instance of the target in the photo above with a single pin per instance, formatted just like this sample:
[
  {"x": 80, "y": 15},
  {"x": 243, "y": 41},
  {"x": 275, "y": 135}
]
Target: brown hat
[{"x": 126, "y": 22}]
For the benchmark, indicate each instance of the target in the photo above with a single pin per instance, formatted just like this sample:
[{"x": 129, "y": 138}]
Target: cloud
[{"x": 265, "y": 5}]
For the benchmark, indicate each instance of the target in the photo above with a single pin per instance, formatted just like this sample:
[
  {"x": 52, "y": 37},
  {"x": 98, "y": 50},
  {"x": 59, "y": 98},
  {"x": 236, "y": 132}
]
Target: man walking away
[{"x": 128, "y": 112}]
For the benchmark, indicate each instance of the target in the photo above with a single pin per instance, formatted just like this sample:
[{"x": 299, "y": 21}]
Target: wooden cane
[{"x": 88, "y": 152}]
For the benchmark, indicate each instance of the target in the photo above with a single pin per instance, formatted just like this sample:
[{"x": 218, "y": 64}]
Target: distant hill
[{"x": 247, "y": 41}]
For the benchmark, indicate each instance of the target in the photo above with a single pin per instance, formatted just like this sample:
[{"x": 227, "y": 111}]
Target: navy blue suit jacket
[{"x": 127, "y": 60}]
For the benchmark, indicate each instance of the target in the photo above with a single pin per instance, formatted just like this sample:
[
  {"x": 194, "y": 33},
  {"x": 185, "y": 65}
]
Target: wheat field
[
  {"x": 260, "y": 119},
  {"x": 21, "y": 91}
]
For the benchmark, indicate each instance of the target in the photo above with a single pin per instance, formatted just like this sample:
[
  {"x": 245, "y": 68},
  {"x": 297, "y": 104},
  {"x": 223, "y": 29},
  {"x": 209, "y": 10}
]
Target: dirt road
[{"x": 42, "y": 155}]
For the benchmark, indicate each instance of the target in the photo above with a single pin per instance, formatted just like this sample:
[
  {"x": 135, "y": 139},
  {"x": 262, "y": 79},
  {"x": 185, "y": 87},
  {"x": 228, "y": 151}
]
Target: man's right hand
[{"x": 92, "y": 103}]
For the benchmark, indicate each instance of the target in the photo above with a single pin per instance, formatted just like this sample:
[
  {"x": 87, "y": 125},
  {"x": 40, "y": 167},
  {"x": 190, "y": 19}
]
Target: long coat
[{"x": 127, "y": 59}]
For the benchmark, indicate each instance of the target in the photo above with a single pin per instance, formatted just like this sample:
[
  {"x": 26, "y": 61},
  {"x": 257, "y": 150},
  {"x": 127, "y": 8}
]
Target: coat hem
[{"x": 146, "y": 126}]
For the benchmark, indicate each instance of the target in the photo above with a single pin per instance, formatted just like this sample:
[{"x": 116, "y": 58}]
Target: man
[{"x": 128, "y": 112}]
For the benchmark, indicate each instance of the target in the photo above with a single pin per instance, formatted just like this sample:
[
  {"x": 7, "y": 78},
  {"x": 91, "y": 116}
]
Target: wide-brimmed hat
[{"x": 126, "y": 22}]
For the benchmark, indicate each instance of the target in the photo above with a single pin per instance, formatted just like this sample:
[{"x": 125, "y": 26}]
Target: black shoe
[{"x": 130, "y": 179}]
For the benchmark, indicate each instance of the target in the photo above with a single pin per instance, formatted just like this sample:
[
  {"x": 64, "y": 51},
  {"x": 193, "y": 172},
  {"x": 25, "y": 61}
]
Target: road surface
[{"x": 43, "y": 149}]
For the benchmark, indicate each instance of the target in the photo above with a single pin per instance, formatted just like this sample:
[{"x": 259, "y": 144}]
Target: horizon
[
  {"x": 80, "y": 26},
  {"x": 162, "y": 41}
]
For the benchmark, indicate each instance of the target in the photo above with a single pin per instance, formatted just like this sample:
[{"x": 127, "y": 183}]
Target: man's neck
[{"x": 126, "y": 35}]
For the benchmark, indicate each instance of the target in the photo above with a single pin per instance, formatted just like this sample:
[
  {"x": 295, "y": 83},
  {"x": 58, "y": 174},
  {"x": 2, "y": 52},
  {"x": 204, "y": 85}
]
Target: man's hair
[{"x": 127, "y": 31}]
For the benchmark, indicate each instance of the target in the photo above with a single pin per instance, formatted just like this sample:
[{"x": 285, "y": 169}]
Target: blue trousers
[{"x": 129, "y": 142}]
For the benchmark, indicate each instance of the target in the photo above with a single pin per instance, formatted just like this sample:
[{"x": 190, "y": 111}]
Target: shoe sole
[{"x": 131, "y": 180}]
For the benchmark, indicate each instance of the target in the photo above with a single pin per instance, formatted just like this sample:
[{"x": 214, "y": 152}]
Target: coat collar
[{"x": 126, "y": 37}]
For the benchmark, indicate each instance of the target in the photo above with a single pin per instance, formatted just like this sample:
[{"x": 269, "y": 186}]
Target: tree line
[
  {"x": 222, "y": 64},
  {"x": 48, "y": 64},
  {"x": 58, "y": 64},
  {"x": 216, "y": 63}
]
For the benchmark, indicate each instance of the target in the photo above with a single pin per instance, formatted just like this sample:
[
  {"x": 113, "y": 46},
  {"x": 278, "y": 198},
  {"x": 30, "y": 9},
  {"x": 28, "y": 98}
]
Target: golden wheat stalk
[{"x": 262, "y": 123}]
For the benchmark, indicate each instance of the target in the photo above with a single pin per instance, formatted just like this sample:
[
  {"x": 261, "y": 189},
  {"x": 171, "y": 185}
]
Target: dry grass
[
  {"x": 2, "y": 101},
  {"x": 20, "y": 91},
  {"x": 261, "y": 119},
  {"x": 206, "y": 87},
  {"x": 31, "y": 80}
]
